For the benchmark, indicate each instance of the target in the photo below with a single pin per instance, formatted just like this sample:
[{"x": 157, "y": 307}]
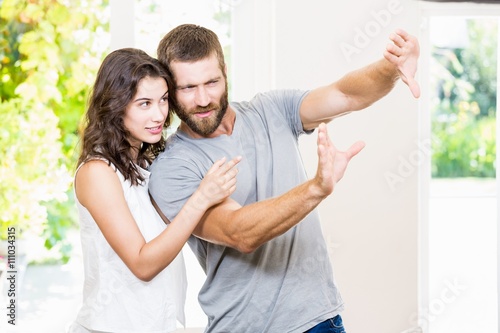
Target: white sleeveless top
[{"x": 114, "y": 299}]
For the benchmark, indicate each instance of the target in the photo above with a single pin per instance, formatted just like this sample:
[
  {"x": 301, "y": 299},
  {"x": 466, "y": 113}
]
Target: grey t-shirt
[{"x": 287, "y": 284}]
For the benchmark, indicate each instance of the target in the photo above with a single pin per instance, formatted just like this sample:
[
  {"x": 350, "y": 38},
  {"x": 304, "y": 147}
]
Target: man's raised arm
[
  {"x": 245, "y": 228},
  {"x": 361, "y": 88}
]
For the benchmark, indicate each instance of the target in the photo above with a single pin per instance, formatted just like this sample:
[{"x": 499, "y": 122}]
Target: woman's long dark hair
[{"x": 105, "y": 135}]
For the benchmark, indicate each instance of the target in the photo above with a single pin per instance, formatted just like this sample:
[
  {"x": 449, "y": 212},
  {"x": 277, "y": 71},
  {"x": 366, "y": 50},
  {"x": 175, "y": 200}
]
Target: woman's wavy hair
[{"x": 104, "y": 134}]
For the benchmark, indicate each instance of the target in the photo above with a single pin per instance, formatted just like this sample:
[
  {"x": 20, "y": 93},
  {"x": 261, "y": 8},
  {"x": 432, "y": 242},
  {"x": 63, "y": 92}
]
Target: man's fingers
[
  {"x": 397, "y": 39},
  {"x": 323, "y": 137},
  {"x": 355, "y": 149},
  {"x": 396, "y": 56},
  {"x": 414, "y": 87},
  {"x": 394, "y": 50},
  {"x": 400, "y": 37},
  {"x": 391, "y": 57},
  {"x": 402, "y": 34},
  {"x": 321, "y": 132}
]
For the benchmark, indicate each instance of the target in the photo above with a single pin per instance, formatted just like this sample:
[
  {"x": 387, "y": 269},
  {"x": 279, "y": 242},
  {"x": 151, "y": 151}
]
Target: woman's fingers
[{"x": 216, "y": 166}]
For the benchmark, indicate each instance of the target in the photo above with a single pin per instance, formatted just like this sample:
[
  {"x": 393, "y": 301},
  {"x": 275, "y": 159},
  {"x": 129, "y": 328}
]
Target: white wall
[{"x": 370, "y": 224}]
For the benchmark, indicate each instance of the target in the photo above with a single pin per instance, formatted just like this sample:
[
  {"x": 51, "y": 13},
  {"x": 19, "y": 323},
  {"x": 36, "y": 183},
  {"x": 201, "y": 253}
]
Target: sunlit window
[{"x": 462, "y": 223}]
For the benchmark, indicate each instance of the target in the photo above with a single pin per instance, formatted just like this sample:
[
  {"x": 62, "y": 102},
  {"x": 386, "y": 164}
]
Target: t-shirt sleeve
[
  {"x": 172, "y": 182},
  {"x": 286, "y": 104}
]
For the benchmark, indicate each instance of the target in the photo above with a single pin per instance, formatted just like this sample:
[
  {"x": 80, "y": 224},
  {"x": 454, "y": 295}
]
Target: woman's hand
[{"x": 219, "y": 182}]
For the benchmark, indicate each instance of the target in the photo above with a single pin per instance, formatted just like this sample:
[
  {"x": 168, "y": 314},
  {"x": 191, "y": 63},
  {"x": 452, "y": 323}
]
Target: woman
[{"x": 132, "y": 282}]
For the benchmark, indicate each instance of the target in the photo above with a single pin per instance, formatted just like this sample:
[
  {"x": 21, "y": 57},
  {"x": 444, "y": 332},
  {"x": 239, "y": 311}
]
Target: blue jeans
[{"x": 333, "y": 325}]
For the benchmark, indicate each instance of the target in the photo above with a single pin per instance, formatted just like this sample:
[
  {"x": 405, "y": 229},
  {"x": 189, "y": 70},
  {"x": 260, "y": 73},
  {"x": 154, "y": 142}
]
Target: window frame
[{"x": 428, "y": 9}]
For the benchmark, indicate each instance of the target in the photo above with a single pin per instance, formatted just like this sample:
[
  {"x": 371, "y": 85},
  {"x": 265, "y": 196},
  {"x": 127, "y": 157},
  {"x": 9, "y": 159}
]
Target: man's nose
[{"x": 202, "y": 98}]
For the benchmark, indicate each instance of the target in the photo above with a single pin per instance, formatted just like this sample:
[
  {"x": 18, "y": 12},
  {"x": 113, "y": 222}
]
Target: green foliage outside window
[
  {"x": 50, "y": 51},
  {"x": 464, "y": 108}
]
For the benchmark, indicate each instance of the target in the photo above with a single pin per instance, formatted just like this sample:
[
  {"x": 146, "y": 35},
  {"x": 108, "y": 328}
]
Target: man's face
[{"x": 201, "y": 94}]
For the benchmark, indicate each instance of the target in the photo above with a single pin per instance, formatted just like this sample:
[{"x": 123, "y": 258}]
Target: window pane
[
  {"x": 463, "y": 213},
  {"x": 463, "y": 74}
]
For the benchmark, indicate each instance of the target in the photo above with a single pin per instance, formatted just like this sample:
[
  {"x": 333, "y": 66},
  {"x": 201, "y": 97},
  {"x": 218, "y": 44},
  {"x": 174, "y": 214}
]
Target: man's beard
[{"x": 203, "y": 126}]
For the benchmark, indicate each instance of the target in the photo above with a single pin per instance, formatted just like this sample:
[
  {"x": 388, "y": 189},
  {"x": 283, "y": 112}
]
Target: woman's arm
[{"x": 97, "y": 188}]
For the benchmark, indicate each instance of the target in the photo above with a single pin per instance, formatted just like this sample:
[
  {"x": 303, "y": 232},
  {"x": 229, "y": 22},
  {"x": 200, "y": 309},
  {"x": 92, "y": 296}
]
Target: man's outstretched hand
[
  {"x": 332, "y": 162},
  {"x": 403, "y": 52}
]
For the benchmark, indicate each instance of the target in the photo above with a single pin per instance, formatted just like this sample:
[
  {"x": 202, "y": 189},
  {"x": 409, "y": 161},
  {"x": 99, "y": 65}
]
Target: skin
[
  {"x": 361, "y": 88},
  {"x": 201, "y": 87},
  {"x": 143, "y": 119},
  {"x": 98, "y": 187},
  {"x": 245, "y": 228}
]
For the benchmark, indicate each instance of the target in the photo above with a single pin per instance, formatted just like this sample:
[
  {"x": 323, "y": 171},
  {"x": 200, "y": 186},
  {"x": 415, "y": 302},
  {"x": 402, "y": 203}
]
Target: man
[{"x": 262, "y": 249}]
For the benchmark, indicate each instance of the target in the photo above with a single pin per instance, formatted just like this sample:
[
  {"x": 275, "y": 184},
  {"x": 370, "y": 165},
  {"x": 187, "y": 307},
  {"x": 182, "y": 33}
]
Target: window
[{"x": 459, "y": 193}]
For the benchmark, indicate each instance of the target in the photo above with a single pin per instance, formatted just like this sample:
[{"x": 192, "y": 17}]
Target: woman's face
[{"x": 147, "y": 111}]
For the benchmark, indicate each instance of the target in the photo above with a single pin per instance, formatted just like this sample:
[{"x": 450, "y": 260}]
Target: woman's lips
[{"x": 155, "y": 130}]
